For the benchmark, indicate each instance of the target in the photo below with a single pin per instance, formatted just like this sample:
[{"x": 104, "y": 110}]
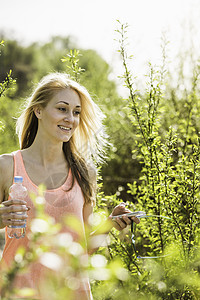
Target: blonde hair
[{"x": 88, "y": 141}]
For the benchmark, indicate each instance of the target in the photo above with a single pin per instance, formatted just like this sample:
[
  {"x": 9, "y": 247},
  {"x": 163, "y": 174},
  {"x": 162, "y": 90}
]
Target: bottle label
[{"x": 18, "y": 226}]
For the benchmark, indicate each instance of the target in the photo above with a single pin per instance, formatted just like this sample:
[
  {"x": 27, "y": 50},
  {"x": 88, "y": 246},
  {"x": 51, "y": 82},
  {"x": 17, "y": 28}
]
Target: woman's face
[{"x": 59, "y": 119}]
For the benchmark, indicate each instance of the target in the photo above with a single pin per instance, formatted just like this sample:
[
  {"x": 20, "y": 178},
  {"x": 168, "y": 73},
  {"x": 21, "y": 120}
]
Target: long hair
[{"x": 87, "y": 144}]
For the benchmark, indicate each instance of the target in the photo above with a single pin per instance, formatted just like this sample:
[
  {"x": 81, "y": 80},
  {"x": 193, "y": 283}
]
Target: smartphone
[{"x": 131, "y": 214}]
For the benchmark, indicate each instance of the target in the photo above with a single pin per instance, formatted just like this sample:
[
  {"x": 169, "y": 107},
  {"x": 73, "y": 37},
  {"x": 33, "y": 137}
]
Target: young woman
[{"x": 60, "y": 131}]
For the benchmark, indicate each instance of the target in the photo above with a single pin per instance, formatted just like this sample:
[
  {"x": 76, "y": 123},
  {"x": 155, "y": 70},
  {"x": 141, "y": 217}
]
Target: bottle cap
[{"x": 18, "y": 179}]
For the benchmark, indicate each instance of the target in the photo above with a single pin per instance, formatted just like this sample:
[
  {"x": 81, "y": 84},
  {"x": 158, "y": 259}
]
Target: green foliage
[
  {"x": 168, "y": 185},
  {"x": 8, "y": 137},
  {"x": 6, "y": 87},
  {"x": 65, "y": 258},
  {"x": 72, "y": 60},
  {"x": 169, "y": 181},
  {"x": 117, "y": 123},
  {"x": 19, "y": 59},
  {"x": 6, "y": 84}
]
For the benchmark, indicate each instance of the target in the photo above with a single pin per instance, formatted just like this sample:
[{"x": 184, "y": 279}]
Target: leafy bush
[{"x": 167, "y": 147}]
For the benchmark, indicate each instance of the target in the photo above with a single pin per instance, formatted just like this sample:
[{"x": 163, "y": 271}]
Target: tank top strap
[{"x": 19, "y": 169}]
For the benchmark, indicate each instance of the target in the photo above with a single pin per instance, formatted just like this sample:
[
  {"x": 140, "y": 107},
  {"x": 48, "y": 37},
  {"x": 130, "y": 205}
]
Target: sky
[{"x": 92, "y": 24}]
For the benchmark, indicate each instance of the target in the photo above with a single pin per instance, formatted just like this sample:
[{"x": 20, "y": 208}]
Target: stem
[
  {"x": 167, "y": 167},
  {"x": 129, "y": 84},
  {"x": 192, "y": 213},
  {"x": 128, "y": 254}
]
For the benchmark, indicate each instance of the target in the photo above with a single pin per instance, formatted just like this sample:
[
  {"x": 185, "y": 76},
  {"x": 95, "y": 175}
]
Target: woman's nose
[{"x": 69, "y": 117}]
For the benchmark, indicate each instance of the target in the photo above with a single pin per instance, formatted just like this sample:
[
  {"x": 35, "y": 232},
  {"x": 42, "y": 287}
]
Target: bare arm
[
  {"x": 8, "y": 208},
  {"x": 5, "y": 166},
  {"x": 97, "y": 237}
]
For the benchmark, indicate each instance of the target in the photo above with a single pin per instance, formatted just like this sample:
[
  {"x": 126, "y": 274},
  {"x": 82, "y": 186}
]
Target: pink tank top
[{"x": 59, "y": 203}]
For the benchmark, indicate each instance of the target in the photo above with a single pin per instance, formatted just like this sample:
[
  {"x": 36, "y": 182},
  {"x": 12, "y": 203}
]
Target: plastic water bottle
[{"x": 17, "y": 191}]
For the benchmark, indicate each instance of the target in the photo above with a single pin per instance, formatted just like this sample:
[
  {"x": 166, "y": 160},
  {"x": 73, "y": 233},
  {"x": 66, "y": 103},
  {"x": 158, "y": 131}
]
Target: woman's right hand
[{"x": 9, "y": 213}]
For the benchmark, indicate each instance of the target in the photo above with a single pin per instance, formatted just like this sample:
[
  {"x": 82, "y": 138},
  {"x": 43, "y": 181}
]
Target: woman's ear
[{"x": 38, "y": 112}]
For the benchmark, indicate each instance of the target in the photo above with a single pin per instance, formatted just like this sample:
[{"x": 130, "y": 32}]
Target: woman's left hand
[{"x": 122, "y": 222}]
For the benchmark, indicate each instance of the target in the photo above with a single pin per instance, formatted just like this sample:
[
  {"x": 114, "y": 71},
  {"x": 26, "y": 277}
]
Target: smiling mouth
[{"x": 67, "y": 129}]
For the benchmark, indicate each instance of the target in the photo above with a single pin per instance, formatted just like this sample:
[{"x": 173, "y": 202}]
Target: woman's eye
[
  {"x": 62, "y": 108},
  {"x": 77, "y": 112}
]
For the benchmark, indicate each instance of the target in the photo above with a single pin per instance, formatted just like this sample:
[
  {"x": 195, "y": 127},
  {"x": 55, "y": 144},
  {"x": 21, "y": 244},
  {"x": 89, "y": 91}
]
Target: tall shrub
[{"x": 167, "y": 147}]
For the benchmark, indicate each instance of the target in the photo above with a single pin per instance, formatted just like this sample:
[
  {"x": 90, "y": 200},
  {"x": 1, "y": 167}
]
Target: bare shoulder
[
  {"x": 6, "y": 173},
  {"x": 6, "y": 163},
  {"x": 92, "y": 171}
]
